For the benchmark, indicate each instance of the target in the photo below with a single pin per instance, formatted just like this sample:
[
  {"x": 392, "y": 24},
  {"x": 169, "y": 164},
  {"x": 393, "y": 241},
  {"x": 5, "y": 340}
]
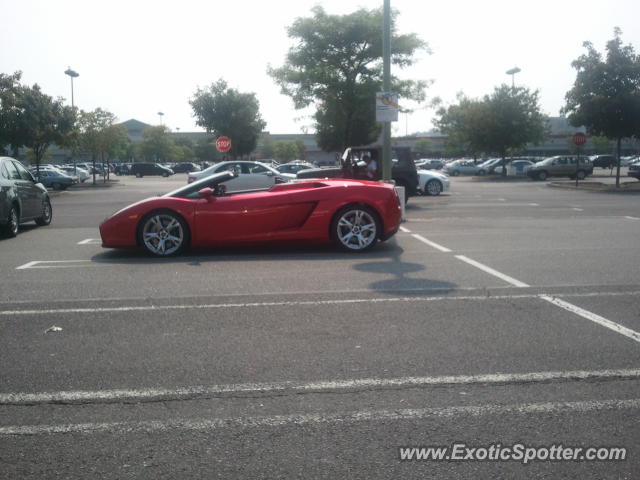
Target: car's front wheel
[
  {"x": 13, "y": 222},
  {"x": 542, "y": 175},
  {"x": 433, "y": 187},
  {"x": 355, "y": 228},
  {"x": 47, "y": 214},
  {"x": 163, "y": 233},
  {"x": 455, "y": 173},
  {"x": 138, "y": 175},
  {"x": 581, "y": 174}
]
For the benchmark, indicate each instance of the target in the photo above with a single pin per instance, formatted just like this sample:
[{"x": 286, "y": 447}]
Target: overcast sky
[{"x": 138, "y": 57}]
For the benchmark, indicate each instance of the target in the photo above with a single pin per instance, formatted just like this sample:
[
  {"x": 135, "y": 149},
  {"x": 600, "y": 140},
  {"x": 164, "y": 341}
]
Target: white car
[
  {"x": 251, "y": 175},
  {"x": 432, "y": 183},
  {"x": 81, "y": 173},
  {"x": 515, "y": 167}
]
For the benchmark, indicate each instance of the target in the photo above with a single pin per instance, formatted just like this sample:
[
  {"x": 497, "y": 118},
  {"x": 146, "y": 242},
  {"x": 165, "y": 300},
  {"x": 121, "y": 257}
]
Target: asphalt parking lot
[{"x": 501, "y": 313}]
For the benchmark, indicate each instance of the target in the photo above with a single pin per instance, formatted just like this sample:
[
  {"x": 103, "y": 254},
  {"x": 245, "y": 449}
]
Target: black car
[
  {"x": 22, "y": 199},
  {"x": 185, "y": 168},
  {"x": 603, "y": 161},
  {"x": 634, "y": 170},
  {"x": 142, "y": 169},
  {"x": 403, "y": 172}
]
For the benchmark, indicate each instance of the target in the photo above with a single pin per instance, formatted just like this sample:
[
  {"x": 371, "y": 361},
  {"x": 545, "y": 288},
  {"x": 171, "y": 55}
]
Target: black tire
[
  {"x": 13, "y": 222},
  {"x": 348, "y": 220},
  {"x": 165, "y": 174},
  {"x": 47, "y": 214},
  {"x": 455, "y": 173},
  {"x": 162, "y": 225},
  {"x": 481, "y": 172},
  {"x": 433, "y": 187},
  {"x": 542, "y": 176},
  {"x": 56, "y": 186},
  {"x": 138, "y": 175},
  {"x": 581, "y": 174}
]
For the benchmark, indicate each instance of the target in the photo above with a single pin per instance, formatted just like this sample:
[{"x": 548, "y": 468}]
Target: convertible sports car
[{"x": 353, "y": 214}]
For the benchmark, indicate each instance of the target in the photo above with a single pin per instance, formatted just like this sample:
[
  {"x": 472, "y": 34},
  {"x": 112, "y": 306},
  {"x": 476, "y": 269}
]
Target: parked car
[
  {"x": 462, "y": 167},
  {"x": 561, "y": 166},
  {"x": 249, "y": 175},
  {"x": 350, "y": 213},
  {"x": 429, "y": 164},
  {"x": 403, "y": 170},
  {"x": 603, "y": 161},
  {"x": 293, "y": 167},
  {"x": 185, "y": 167},
  {"x": 82, "y": 175},
  {"x": 143, "y": 169},
  {"x": 515, "y": 167},
  {"x": 122, "y": 169},
  {"x": 488, "y": 166},
  {"x": 432, "y": 183},
  {"x": 22, "y": 198},
  {"x": 634, "y": 170},
  {"x": 53, "y": 178}
]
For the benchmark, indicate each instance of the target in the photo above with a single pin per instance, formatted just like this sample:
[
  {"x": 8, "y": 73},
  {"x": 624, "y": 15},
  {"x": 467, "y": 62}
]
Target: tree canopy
[
  {"x": 504, "y": 121},
  {"x": 226, "y": 111},
  {"x": 605, "y": 97},
  {"x": 100, "y": 136},
  {"x": 336, "y": 64}
]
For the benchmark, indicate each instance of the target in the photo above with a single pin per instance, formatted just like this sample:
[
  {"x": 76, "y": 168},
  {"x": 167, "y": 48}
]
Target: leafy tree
[
  {"x": 285, "y": 151},
  {"x": 99, "y": 136},
  {"x": 605, "y": 97},
  {"x": 336, "y": 64},
  {"x": 156, "y": 143},
  {"x": 206, "y": 151},
  {"x": 600, "y": 144},
  {"x": 30, "y": 118},
  {"x": 502, "y": 122},
  {"x": 265, "y": 147},
  {"x": 301, "y": 149},
  {"x": 226, "y": 111}
]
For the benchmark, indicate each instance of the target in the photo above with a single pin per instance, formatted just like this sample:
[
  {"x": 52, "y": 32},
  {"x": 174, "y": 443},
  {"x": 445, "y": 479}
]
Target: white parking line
[
  {"x": 205, "y": 424},
  {"x": 578, "y": 209},
  {"x": 54, "y": 264},
  {"x": 534, "y": 204},
  {"x": 90, "y": 241},
  {"x": 152, "y": 394},
  {"x": 491, "y": 271},
  {"x": 616, "y": 327},
  {"x": 430, "y": 243},
  {"x": 405, "y": 230},
  {"x": 632, "y": 218}
]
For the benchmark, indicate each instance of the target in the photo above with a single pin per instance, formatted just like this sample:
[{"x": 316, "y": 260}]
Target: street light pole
[
  {"x": 160, "y": 114},
  {"x": 386, "y": 86},
  {"x": 73, "y": 74},
  {"x": 513, "y": 72}
]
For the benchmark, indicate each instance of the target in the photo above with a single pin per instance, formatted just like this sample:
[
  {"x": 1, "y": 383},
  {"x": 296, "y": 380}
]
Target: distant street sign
[
  {"x": 386, "y": 107},
  {"x": 579, "y": 139},
  {"x": 223, "y": 144}
]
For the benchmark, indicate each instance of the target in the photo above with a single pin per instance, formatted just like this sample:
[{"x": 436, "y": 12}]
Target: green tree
[
  {"x": 605, "y": 97},
  {"x": 206, "y": 151},
  {"x": 600, "y": 144},
  {"x": 265, "y": 146},
  {"x": 285, "y": 151},
  {"x": 156, "y": 143},
  {"x": 99, "y": 136},
  {"x": 423, "y": 147},
  {"x": 464, "y": 123},
  {"x": 226, "y": 111},
  {"x": 336, "y": 65},
  {"x": 30, "y": 118}
]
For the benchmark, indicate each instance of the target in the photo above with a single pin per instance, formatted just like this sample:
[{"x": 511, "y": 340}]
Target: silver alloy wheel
[
  {"x": 14, "y": 222},
  {"x": 434, "y": 187},
  {"x": 163, "y": 234},
  {"x": 356, "y": 229}
]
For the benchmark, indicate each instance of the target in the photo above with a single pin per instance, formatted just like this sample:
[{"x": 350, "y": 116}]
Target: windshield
[{"x": 210, "y": 181}]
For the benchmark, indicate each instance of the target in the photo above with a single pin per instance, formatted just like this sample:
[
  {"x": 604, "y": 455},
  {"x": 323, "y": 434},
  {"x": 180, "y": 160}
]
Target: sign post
[{"x": 579, "y": 139}]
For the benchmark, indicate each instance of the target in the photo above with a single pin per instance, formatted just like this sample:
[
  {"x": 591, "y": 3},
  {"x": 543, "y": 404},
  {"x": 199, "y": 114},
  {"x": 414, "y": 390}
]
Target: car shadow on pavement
[
  {"x": 398, "y": 280},
  {"x": 284, "y": 252}
]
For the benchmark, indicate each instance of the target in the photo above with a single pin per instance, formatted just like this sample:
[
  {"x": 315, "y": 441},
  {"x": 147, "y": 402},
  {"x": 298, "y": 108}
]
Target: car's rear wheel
[
  {"x": 581, "y": 174},
  {"x": 138, "y": 175},
  {"x": 355, "y": 228},
  {"x": 165, "y": 174},
  {"x": 47, "y": 214},
  {"x": 57, "y": 186},
  {"x": 542, "y": 175},
  {"x": 433, "y": 187},
  {"x": 163, "y": 233},
  {"x": 455, "y": 173}
]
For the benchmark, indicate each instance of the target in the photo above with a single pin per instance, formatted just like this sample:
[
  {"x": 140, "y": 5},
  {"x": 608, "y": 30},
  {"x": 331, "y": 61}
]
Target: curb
[{"x": 626, "y": 187}]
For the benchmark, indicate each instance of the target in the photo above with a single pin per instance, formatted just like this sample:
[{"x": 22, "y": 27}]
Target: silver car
[{"x": 251, "y": 175}]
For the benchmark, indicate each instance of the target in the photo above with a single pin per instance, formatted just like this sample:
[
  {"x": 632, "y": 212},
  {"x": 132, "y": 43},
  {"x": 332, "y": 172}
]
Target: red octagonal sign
[
  {"x": 223, "y": 144},
  {"x": 579, "y": 139}
]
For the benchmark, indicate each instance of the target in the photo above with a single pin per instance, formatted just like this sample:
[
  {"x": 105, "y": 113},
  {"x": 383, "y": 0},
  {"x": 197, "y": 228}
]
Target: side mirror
[{"x": 205, "y": 193}]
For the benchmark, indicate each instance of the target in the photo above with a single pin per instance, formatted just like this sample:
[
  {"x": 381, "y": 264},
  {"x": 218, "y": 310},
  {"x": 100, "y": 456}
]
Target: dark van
[{"x": 142, "y": 169}]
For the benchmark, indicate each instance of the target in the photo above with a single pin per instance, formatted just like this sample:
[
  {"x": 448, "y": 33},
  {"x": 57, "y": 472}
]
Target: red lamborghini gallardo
[{"x": 354, "y": 214}]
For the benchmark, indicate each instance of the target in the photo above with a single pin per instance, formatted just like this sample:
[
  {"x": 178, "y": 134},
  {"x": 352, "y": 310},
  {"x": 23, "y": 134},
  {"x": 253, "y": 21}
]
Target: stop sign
[
  {"x": 223, "y": 144},
  {"x": 579, "y": 139}
]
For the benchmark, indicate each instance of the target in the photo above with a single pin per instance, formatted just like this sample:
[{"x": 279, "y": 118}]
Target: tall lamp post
[
  {"x": 513, "y": 72},
  {"x": 160, "y": 114},
  {"x": 72, "y": 74}
]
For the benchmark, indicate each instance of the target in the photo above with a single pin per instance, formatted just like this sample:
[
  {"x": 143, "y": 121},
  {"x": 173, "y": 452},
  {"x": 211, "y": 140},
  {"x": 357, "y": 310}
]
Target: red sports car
[{"x": 353, "y": 214}]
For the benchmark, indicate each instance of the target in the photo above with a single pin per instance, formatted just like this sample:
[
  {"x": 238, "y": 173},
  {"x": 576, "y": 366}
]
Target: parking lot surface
[{"x": 501, "y": 313}]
